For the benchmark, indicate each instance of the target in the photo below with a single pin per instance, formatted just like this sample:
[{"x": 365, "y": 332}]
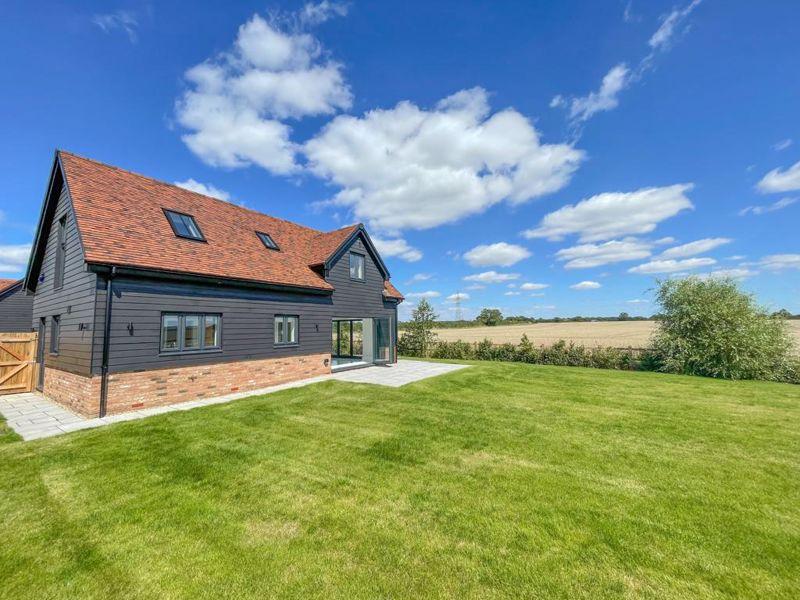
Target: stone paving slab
[{"x": 34, "y": 417}]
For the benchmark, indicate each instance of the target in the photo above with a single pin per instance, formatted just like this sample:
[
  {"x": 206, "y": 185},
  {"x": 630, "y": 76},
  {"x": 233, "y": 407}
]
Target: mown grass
[{"x": 498, "y": 480}]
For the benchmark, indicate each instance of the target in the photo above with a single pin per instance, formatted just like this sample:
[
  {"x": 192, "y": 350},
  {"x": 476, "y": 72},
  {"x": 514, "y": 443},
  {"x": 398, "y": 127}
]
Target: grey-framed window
[
  {"x": 55, "y": 333},
  {"x": 184, "y": 226},
  {"x": 61, "y": 253},
  {"x": 190, "y": 332},
  {"x": 267, "y": 240},
  {"x": 357, "y": 266},
  {"x": 287, "y": 330}
]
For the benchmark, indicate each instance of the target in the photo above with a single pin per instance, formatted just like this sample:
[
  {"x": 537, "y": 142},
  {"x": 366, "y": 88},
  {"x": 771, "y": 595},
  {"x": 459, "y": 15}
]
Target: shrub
[
  {"x": 419, "y": 337},
  {"x": 710, "y": 327}
]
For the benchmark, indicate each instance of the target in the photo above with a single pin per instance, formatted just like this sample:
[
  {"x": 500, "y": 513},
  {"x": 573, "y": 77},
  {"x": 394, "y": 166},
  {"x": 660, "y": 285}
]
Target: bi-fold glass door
[{"x": 347, "y": 341}]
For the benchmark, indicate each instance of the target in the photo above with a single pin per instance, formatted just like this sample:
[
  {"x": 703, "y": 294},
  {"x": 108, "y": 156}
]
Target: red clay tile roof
[
  {"x": 8, "y": 283},
  {"x": 391, "y": 292},
  {"x": 121, "y": 220}
]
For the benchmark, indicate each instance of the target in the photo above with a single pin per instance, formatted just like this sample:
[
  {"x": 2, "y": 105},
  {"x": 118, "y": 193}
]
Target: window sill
[
  {"x": 290, "y": 345},
  {"x": 189, "y": 352}
]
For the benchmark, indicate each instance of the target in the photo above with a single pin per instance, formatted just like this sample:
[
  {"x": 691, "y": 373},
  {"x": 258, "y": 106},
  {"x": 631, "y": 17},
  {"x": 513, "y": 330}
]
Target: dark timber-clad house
[
  {"x": 206, "y": 297},
  {"x": 16, "y": 307}
]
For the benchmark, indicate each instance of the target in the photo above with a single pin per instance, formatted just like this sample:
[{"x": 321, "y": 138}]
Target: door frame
[{"x": 40, "y": 353}]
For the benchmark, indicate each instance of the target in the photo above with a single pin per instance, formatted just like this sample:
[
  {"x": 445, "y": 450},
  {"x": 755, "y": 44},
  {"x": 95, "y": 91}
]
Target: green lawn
[{"x": 498, "y": 480}]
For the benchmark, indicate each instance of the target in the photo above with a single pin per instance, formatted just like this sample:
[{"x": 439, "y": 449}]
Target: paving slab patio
[{"x": 33, "y": 416}]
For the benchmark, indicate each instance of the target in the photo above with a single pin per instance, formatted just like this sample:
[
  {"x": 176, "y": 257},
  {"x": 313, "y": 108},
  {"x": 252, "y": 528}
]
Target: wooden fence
[{"x": 17, "y": 362}]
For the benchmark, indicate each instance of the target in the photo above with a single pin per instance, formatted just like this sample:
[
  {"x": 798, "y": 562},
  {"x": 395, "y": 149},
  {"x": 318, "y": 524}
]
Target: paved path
[{"x": 33, "y": 416}]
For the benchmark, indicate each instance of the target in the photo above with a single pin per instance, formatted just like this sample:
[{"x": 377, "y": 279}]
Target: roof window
[{"x": 184, "y": 226}]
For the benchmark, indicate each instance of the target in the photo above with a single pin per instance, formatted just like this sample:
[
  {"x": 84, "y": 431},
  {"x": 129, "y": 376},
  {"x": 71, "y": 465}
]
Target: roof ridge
[{"x": 172, "y": 185}]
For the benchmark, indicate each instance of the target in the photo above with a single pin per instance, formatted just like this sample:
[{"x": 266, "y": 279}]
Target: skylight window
[
  {"x": 184, "y": 225},
  {"x": 267, "y": 240}
]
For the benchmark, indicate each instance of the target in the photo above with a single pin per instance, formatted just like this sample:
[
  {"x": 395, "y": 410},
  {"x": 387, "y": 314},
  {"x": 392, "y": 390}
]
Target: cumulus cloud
[
  {"x": 638, "y": 301},
  {"x": 671, "y": 266},
  {"x": 695, "y": 248},
  {"x": 428, "y": 294},
  {"x": 779, "y": 180},
  {"x": 614, "y": 214},
  {"x": 236, "y": 103},
  {"x": 420, "y": 277},
  {"x": 767, "y": 208},
  {"x": 458, "y": 297},
  {"x": 511, "y": 293},
  {"x": 314, "y": 14},
  {"x": 121, "y": 20},
  {"x": 397, "y": 247},
  {"x": 583, "y": 108},
  {"x": 413, "y": 168},
  {"x": 14, "y": 258},
  {"x": 586, "y": 256},
  {"x": 532, "y": 287},
  {"x": 492, "y": 277},
  {"x": 735, "y": 273},
  {"x": 500, "y": 254},
  {"x": 204, "y": 188},
  {"x": 586, "y": 285},
  {"x": 670, "y": 24}
]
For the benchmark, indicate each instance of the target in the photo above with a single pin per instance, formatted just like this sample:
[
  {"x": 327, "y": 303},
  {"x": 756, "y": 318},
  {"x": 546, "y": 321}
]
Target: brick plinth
[{"x": 148, "y": 389}]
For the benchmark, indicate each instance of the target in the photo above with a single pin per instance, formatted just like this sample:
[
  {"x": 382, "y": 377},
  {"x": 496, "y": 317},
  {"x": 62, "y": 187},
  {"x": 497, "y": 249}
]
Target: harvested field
[{"x": 618, "y": 334}]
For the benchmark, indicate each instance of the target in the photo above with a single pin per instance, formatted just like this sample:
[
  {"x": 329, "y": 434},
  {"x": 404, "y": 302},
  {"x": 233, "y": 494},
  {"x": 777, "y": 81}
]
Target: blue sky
[{"x": 546, "y": 159}]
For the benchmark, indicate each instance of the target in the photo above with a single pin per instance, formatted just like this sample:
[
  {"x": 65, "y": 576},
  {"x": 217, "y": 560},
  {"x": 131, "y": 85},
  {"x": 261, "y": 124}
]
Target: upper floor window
[
  {"x": 185, "y": 332},
  {"x": 357, "y": 266},
  {"x": 184, "y": 225},
  {"x": 286, "y": 329},
  {"x": 267, "y": 240},
  {"x": 55, "y": 333},
  {"x": 61, "y": 253}
]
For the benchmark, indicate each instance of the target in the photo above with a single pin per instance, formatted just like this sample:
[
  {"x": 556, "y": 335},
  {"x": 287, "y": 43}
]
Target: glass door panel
[
  {"x": 357, "y": 341},
  {"x": 383, "y": 339}
]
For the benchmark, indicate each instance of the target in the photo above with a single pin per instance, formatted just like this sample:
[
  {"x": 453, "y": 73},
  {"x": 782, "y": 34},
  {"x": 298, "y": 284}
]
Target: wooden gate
[{"x": 17, "y": 362}]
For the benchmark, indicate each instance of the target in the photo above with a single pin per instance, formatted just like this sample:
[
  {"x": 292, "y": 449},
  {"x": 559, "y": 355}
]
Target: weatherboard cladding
[
  {"x": 16, "y": 307},
  {"x": 74, "y": 301}
]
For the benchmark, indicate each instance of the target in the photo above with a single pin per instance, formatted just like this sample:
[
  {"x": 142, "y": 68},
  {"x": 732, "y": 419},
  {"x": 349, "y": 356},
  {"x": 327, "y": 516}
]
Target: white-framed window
[
  {"x": 357, "y": 266},
  {"x": 189, "y": 332},
  {"x": 286, "y": 329}
]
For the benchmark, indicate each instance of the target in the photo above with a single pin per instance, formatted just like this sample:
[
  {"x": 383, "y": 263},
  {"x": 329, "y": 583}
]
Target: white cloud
[
  {"x": 532, "y": 287},
  {"x": 586, "y": 285},
  {"x": 313, "y": 14},
  {"x": 14, "y": 258},
  {"x": 492, "y": 277},
  {"x": 584, "y": 107},
  {"x": 638, "y": 301},
  {"x": 779, "y": 180},
  {"x": 123, "y": 20},
  {"x": 760, "y": 210},
  {"x": 397, "y": 247},
  {"x": 695, "y": 248},
  {"x": 408, "y": 167},
  {"x": 420, "y": 277},
  {"x": 428, "y": 294},
  {"x": 236, "y": 102},
  {"x": 669, "y": 24},
  {"x": 664, "y": 241},
  {"x": 476, "y": 286},
  {"x": 512, "y": 293},
  {"x": 614, "y": 214},
  {"x": 780, "y": 262},
  {"x": 458, "y": 297},
  {"x": 594, "y": 255},
  {"x": 204, "y": 188},
  {"x": 500, "y": 254},
  {"x": 671, "y": 266},
  {"x": 737, "y": 273},
  {"x": 782, "y": 145}
]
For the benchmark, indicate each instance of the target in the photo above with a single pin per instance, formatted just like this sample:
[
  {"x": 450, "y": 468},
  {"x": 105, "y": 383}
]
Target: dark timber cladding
[
  {"x": 74, "y": 301},
  {"x": 16, "y": 309}
]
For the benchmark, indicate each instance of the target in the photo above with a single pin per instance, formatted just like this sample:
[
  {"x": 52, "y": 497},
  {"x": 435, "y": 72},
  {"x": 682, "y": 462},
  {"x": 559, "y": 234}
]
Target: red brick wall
[
  {"x": 148, "y": 389},
  {"x": 78, "y": 393}
]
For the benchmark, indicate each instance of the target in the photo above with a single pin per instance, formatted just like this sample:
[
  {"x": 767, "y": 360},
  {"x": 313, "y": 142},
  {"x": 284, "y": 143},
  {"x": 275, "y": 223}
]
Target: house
[
  {"x": 147, "y": 294},
  {"x": 16, "y": 307}
]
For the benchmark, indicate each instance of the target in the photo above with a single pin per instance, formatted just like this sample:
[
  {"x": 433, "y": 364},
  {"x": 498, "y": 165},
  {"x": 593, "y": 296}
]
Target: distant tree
[
  {"x": 623, "y": 316},
  {"x": 419, "y": 337},
  {"x": 782, "y": 314},
  {"x": 710, "y": 327},
  {"x": 490, "y": 317}
]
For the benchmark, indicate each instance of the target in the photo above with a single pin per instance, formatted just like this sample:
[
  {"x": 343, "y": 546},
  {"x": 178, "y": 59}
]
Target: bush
[{"x": 710, "y": 327}]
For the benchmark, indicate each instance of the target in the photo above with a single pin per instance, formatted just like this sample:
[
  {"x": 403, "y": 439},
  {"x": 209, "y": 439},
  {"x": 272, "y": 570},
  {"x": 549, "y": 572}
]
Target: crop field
[{"x": 617, "y": 334}]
